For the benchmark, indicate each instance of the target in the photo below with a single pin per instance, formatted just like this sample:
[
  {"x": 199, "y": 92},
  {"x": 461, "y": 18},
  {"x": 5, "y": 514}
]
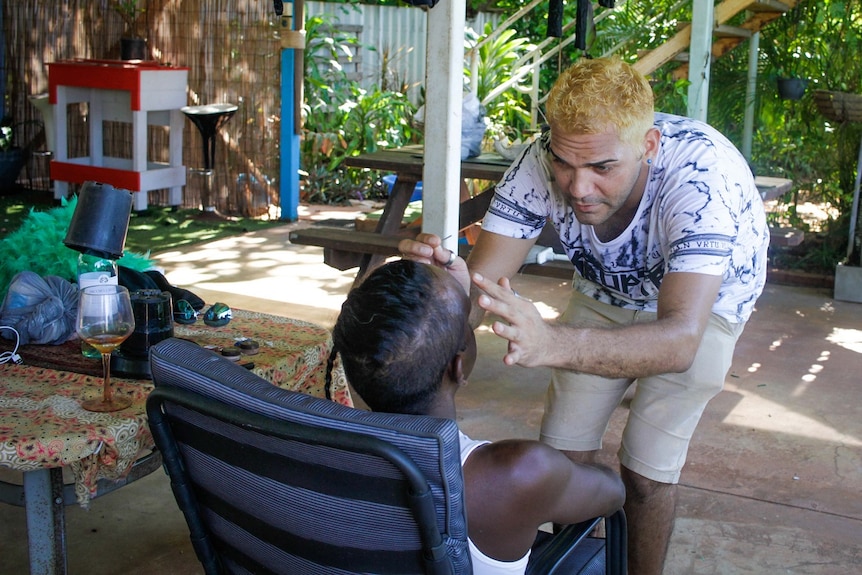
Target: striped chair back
[{"x": 274, "y": 481}]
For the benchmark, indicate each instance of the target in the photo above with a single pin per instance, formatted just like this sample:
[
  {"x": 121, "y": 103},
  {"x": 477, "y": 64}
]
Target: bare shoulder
[
  {"x": 522, "y": 466},
  {"x": 541, "y": 482},
  {"x": 503, "y": 484},
  {"x": 514, "y": 486}
]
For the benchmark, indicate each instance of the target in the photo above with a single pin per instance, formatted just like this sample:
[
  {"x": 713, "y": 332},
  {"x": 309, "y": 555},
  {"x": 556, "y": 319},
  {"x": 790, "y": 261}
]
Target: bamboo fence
[{"x": 232, "y": 50}]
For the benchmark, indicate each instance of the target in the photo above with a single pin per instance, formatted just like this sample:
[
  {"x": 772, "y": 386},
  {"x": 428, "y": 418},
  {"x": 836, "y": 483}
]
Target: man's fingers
[
  {"x": 514, "y": 355},
  {"x": 432, "y": 240},
  {"x": 500, "y": 292},
  {"x": 503, "y": 330},
  {"x": 412, "y": 249}
]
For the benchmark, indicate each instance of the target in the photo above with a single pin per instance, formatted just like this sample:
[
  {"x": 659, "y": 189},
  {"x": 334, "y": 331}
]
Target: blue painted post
[{"x": 292, "y": 44}]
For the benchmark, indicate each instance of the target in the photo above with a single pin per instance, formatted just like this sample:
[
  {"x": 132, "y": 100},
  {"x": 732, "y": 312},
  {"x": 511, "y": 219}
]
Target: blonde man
[{"x": 661, "y": 218}]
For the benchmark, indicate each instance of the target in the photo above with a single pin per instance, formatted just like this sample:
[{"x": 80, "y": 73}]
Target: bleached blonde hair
[{"x": 594, "y": 95}]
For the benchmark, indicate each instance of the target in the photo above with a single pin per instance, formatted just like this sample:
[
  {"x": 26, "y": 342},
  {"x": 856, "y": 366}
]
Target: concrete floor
[{"x": 773, "y": 479}]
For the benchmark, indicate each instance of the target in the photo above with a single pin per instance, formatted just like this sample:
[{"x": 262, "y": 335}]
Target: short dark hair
[{"x": 397, "y": 333}]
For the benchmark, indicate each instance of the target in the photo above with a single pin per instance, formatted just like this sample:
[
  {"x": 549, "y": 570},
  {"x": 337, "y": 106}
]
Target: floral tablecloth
[
  {"x": 292, "y": 353},
  {"x": 42, "y": 424}
]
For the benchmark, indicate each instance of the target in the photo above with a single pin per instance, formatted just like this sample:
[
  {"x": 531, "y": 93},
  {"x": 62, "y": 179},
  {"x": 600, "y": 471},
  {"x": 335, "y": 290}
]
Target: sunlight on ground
[
  {"x": 760, "y": 413},
  {"x": 254, "y": 266},
  {"x": 847, "y": 338}
]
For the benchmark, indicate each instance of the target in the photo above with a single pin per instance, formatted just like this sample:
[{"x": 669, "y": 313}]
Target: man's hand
[
  {"x": 428, "y": 249},
  {"x": 530, "y": 337}
]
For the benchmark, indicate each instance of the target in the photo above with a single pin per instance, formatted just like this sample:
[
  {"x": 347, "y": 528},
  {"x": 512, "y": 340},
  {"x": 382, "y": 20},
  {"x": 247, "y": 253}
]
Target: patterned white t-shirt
[{"x": 700, "y": 212}]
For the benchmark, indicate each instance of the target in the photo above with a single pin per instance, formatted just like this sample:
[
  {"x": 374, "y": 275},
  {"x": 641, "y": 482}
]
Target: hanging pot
[{"x": 791, "y": 88}]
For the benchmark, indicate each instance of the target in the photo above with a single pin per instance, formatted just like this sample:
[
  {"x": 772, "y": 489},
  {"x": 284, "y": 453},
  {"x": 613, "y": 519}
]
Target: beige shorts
[{"x": 664, "y": 411}]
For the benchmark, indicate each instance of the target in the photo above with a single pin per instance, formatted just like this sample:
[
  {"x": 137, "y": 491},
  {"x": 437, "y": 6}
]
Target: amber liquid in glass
[{"x": 105, "y": 320}]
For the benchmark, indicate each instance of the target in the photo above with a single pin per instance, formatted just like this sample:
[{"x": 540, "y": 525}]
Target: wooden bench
[
  {"x": 346, "y": 248},
  {"x": 772, "y": 188},
  {"x": 785, "y": 237}
]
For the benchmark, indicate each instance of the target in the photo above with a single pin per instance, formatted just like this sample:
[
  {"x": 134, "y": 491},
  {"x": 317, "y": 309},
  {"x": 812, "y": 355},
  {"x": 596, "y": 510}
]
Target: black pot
[
  {"x": 101, "y": 221},
  {"x": 133, "y": 49},
  {"x": 791, "y": 88}
]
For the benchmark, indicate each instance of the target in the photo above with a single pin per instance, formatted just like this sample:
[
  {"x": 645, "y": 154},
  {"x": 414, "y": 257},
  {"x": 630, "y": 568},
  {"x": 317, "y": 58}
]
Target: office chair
[{"x": 274, "y": 481}]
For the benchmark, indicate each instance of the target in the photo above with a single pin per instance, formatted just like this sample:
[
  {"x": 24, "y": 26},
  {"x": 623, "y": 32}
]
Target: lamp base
[{"x": 124, "y": 365}]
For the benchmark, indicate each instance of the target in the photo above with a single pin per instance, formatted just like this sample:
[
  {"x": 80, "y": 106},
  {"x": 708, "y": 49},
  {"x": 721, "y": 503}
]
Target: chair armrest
[{"x": 576, "y": 552}]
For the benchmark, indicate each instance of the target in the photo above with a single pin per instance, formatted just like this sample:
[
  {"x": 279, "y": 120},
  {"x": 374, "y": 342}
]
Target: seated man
[{"x": 407, "y": 347}]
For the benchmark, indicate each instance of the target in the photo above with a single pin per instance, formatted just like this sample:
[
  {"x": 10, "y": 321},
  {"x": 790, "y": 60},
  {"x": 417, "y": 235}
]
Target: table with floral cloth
[
  {"x": 292, "y": 353},
  {"x": 43, "y": 427}
]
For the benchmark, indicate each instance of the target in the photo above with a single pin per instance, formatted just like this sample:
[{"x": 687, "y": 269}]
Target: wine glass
[{"x": 105, "y": 320}]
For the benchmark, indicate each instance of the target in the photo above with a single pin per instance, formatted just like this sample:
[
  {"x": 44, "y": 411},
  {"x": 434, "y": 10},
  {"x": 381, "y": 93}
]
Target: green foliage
[
  {"x": 341, "y": 119},
  {"x": 129, "y": 10},
  {"x": 509, "y": 111},
  {"x": 671, "y": 95},
  {"x": 818, "y": 40}
]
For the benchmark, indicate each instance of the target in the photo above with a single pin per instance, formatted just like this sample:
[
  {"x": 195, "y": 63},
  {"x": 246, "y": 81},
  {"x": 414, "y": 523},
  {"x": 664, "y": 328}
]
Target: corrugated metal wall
[
  {"x": 398, "y": 33},
  {"x": 231, "y": 49}
]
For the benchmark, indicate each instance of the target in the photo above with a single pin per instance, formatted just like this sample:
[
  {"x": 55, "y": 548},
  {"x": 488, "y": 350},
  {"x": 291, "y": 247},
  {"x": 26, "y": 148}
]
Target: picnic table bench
[{"x": 346, "y": 248}]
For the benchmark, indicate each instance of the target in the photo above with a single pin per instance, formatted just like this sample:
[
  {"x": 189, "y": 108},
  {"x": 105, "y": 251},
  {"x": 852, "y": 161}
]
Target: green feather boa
[{"x": 38, "y": 246}]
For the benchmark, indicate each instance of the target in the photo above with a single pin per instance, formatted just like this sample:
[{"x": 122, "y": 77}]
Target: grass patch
[
  {"x": 160, "y": 228},
  {"x": 155, "y": 230}
]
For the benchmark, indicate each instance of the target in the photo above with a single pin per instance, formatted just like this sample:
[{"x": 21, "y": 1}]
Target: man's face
[{"x": 597, "y": 173}]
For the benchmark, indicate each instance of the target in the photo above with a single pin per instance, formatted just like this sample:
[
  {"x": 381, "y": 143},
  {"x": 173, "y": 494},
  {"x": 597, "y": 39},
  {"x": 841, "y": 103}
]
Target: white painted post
[
  {"x": 444, "y": 85},
  {"x": 700, "y": 55},
  {"x": 750, "y": 93}
]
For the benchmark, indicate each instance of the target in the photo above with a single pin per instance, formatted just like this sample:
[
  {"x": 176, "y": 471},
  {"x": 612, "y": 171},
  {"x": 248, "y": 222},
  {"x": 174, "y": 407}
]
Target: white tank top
[{"x": 482, "y": 564}]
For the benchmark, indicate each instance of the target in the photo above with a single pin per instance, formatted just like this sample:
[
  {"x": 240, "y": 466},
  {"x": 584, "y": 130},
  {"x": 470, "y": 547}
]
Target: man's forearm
[{"x": 626, "y": 352}]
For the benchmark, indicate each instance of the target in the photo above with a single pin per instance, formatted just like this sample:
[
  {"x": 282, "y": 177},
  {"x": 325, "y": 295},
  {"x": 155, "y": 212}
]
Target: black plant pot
[
  {"x": 101, "y": 221},
  {"x": 791, "y": 88},
  {"x": 133, "y": 49}
]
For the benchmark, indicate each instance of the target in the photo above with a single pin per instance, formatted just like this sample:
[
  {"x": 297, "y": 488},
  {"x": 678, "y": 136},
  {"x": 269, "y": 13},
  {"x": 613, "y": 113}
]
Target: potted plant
[
  {"x": 133, "y": 46},
  {"x": 791, "y": 51},
  {"x": 791, "y": 88},
  {"x": 12, "y": 157},
  {"x": 790, "y": 63}
]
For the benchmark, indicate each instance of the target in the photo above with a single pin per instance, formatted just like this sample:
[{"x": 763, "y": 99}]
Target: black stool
[
  {"x": 46, "y": 110},
  {"x": 209, "y": 119}
]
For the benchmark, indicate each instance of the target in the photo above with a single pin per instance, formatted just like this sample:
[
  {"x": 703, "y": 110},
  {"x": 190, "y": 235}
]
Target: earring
[{"x": 649, "y": 161}]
